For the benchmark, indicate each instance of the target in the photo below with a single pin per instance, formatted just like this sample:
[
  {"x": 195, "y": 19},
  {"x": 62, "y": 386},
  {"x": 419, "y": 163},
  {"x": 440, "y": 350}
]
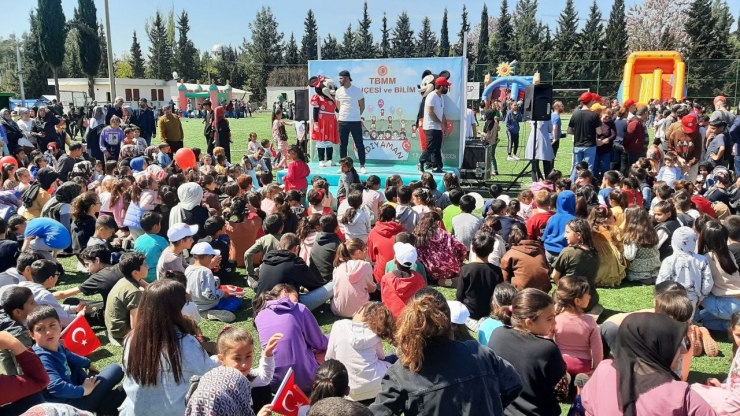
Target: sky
[{"x": 225, "y": 22}]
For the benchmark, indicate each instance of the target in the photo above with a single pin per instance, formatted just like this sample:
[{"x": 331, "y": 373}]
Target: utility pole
[
  {"x": 111, "y": 74},
  {"x": 20, "y": 75}
]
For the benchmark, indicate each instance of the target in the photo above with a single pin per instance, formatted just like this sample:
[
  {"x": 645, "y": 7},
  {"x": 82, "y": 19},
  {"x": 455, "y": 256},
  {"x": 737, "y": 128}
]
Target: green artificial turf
[{"x": 624, "y": 299}]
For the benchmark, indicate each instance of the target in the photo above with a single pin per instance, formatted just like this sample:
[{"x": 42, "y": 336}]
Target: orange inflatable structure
[{"x": 653, "y": 74}]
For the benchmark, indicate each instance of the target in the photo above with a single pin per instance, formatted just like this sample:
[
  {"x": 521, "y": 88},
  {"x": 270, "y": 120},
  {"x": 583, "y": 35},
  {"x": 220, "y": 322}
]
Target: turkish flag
[
  {"x": 79, "y": 338},
  {"x": 289, "y": 397}
]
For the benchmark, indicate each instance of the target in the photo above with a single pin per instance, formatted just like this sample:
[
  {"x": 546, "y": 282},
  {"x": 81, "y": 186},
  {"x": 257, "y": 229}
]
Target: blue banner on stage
[{"x": 393, "y": 101}]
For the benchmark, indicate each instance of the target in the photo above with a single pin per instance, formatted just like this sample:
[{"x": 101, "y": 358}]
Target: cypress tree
[
  {"x": 616, "y": 43},
  {"x": 310, "y": 38},
  {"x": 500, "y": 46},
  {"x": 483, "y": 41},
  {"x": 185, "y": 53},
  {"x": 384, "y": 49},
  {"x": 330, "y": 48},
  {"x": 264, "y": 51},
  {"x": 292, "y": 57},
  {"x": 35, "y": 75},
  {"x": 137, "y": 60},
  {"x": 103, "y": 70},
  {"x": 160, "y": 52},
  {"x": 565, "y": 46},
  {"x": 592, "y": 45},
  {"x": 464, "y": 29},
  {"x": 402, "y": 43},
  {"x": 365, "y": 46},
  {"x": 88, "y": 44},
  {"x": 426, "y": 44},
  {"x": 444, "y": 38},
  {"x": 52, "y": 32},
  {"x": 347, "y": 48}
]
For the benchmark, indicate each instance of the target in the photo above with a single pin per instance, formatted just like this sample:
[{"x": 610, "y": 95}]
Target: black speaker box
[
  {"x": 301, "y": 105},
  {"x": 538, "y": 102}
]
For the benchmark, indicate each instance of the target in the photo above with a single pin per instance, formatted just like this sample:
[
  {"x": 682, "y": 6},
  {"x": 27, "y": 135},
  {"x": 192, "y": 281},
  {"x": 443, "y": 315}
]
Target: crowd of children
[{"x": 160, "y": 244}]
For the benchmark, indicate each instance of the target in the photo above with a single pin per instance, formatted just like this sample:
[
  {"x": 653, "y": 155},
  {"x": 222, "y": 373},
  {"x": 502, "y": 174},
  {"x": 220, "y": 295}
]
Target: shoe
[
  {"x": 596, "y": 311},
  {"x": 440, "y": 171},
  {"x": 363, "y": 170},
  {"x": 252, "y": 282},
  {"x": 420, "y": 167},
  {"x": 321, "y": 164},
  {"x": 695, "y": 339},
  {"x": 515, "y": 157},
  {"x": 510, "y": 158},
  {"x": 710, "y": 345},
  {"x": 217, "y": 315},
  {"x": 329, "y": 163},
  {"x": 339, "y": 170},
  {"x": 447, "y": 282}
]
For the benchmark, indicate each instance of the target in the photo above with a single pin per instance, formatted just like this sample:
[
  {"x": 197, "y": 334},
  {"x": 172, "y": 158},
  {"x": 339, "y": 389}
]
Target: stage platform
[{"x": 381, "y": 169}]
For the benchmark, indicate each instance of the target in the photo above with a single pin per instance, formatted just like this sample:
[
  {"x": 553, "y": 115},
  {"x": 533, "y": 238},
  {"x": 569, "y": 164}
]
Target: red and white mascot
[{"x": 325, "y": 131}]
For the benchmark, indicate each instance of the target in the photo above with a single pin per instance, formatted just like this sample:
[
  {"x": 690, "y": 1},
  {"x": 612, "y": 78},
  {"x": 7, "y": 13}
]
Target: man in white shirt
[
  {"x": 350, "y": 104},
  {"x": 471, "y": 124},
  {"x": 434, "y": 123}
]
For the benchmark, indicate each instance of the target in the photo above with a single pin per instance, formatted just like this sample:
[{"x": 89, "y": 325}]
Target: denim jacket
[{"x": 457, "y": 378}]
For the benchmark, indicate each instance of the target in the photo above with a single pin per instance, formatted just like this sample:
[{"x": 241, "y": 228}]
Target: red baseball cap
[
  {"x": 719, "y": 98},
  {"x": 442, "y": 82},
  {"x": 689, "y": 124},
  {"x": 596, "y": 97},
  {"x": 586, "y": 97},
  {"x": 629, "y": 103}
]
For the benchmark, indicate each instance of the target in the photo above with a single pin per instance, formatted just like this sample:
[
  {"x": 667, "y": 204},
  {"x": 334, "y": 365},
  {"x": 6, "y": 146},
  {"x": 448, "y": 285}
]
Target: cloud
[{"x": 410, "y": 72}]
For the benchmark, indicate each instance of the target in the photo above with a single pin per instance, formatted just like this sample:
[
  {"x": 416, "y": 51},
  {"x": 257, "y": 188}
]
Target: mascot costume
[
  {"x": 325, "y": 130},
  {"x": 425, "y": 88}
]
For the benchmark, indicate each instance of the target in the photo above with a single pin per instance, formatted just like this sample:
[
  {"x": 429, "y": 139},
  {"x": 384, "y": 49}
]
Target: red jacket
[
  {"x": 397, "y": 287},
  {"x": 34, "y": 379},
  {"x": 380, "y": 245},
  {"x": 298, "y": 171},
  {"x": 634, "y": 140}
]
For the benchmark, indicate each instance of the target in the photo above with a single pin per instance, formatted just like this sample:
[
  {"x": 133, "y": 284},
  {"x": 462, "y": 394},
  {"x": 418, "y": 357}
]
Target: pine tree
[
  {"x": 265, "y": 50},
  {"x": 310, "y": 38},
  {"x": 592, "y": 45},
  {"x": 292, "y": 56},
  {"x": 35, "y": 75},
  {"x": 402, "y": 42},
  {"x": 722, "y": 22},
  {"x": 483, "y": 62},
  {"x": 52, "y": 35},
  {"x": 71, "y": 66},
  {"x": 88, "y": 44},
  {"x": 347, "y": 48},
  {"x": 444, "y": 38},
  {"x": 384, "y": 49},
  {"x": 364, "y": 45},
  {"x": 185, "y": 52},
  {"x": 464, "y": 29},
  {"x": 160, "y": 52},
  {"x": 566, "y": 46},
  {"x": 426, "y": 44},
  {"x": 500, "y": 46},
  {"x": 668, "y": 42},
  {"x": 171, "y": 42},
  {"x": 103, "y": 70},
  {"x": 697, "y": 47},
  {"x": 330, "y": 48},
  {"x": 527, "y": 37},
  {"x": 137, "y": 60},
  {"x": 616, "y": 43}
]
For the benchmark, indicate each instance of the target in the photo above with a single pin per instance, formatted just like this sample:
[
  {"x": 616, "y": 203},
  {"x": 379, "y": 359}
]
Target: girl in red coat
[
  {"x": 298, "y": 171},
  {"x": 381, "y": 239}
]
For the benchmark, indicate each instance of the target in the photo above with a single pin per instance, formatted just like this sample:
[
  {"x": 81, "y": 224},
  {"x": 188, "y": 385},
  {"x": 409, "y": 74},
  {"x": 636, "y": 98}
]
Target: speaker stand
[{"x": 532, "y": 162}]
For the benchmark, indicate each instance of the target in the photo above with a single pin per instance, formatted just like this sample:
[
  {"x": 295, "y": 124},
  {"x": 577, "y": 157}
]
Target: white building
[
  {"x": 272, "y": 94},
  {"x": 156, "y": 91}
]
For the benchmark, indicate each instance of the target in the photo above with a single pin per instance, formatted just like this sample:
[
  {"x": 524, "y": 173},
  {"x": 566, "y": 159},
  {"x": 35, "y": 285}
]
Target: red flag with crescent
[
  {"x": 289, "y": 397},
  {"x": 79, "y": 338}
]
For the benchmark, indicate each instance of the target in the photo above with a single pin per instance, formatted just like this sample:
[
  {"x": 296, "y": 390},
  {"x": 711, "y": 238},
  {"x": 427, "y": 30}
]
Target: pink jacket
[
  {"x": 298, "y": 171},
  {"x": 353, "y": 283}
]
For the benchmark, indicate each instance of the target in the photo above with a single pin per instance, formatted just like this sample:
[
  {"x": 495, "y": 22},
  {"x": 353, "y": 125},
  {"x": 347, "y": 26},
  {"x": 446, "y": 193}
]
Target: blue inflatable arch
[{"x": 517, "y": 83}]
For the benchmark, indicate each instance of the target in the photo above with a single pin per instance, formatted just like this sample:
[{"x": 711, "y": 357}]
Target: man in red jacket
[{"x": 634, "y": 140}]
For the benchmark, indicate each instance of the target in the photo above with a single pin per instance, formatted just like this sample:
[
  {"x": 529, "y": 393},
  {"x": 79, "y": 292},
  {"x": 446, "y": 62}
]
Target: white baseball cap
[
  {"x": 459, "y": 313},
  {"x": 204, "y": 249},
  {"x": 405, "y": 254},
  {"x": 181, "y": 230}
]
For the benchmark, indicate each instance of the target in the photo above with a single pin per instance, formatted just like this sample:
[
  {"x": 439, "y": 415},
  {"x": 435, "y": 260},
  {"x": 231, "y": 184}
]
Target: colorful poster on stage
[{"x": 393, "y": 103}]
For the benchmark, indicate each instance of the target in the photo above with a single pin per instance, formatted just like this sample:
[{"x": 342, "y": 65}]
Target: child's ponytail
[
  {"x": 354, "y": 199},
  {"x": 527, "y": 304},
  {"x": 332, "y": 380},
  {"x": 346, "y": 249}
]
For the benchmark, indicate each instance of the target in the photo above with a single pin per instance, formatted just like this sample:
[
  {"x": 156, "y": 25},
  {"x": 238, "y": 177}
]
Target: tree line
[{"x": 584, "y": 50}]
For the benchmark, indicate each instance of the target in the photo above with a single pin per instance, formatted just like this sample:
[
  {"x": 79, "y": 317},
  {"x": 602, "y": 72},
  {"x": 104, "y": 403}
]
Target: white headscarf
[
  {"x": 190, "y": 195},
  {"x": 98, "y": 117}
]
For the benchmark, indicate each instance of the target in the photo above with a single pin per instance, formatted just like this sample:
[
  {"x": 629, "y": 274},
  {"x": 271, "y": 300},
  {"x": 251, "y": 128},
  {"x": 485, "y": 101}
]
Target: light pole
[
  {"x": 20, "y": 75},
  {"x": 111, "y": 74}
]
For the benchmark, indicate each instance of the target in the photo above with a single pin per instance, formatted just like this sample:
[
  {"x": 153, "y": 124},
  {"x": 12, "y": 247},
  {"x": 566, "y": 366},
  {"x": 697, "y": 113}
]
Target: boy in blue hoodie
[
  {"x": 73, "y": 379},
  {"x": 554, "y": 235}
]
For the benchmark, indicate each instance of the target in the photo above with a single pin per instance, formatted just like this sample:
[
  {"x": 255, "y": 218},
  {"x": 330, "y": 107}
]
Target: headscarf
[
  {"x": 67, "y": 192},
  {"x": 218, "y": 114},
  {"x": 190, "y": 195},
  {"x": 648, "y": 342},
  {"x": 137, "y": 164},
  {"x": 55, "y": 409},
  {"x": 98, "y": 117},
  {"x": 223, "y": 391},
  {"x": 684, "y": 241}
]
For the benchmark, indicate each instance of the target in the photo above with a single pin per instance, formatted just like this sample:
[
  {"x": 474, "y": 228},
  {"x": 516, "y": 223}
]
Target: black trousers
[
  {"x": 538, "y": 174},
  {"x": 355, "y": 128},
  {"x": 175, "y": 146},
  {"x": 433, "y": 154}
]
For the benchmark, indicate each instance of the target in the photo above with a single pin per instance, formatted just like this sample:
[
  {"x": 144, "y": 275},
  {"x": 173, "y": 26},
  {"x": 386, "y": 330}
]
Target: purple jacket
[{"x": 301, "y": 337}]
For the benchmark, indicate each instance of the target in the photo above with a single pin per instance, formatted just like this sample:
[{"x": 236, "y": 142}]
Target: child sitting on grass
[
  {"x": 45, "y": 276},
  {"x": 398, "y": 286},
  {"x": 122, "y": 305},
  {"x": 478, "y": 280},
  {"x": 502, "y": 298},
  {"x": 213, "y": 303},
  {"x": 73, "y": 378}
]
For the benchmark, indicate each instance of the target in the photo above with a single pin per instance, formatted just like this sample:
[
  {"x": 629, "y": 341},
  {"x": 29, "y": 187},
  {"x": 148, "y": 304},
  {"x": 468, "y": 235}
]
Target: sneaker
[
  {"x": 420, "y": 167},
  {"x": 252, "y": 282},
  {"x": 710, "y": 345},
  {"x": 510, "y": 158},
  {"x": 596, "y": 311},
  {"x": 321, "y": 164},
  {"x": 440, "y": 171},
  {"x": 217, "y": 315},
  {"x": 514, "y": 157},
  {"x": 329, "y": 163},
  {"x": 363, "y": 170}
]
